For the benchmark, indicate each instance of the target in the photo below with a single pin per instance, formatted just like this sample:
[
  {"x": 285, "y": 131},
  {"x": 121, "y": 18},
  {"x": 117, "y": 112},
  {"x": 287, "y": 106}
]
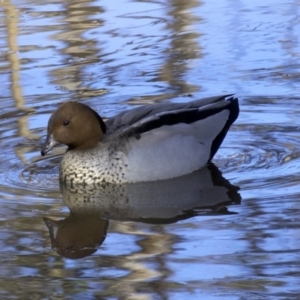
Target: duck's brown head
[{"x": 75, "y": 125}]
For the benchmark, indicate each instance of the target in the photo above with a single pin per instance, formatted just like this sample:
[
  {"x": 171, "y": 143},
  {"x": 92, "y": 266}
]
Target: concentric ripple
[
  {"x": 23, "y": 172},
  {"x": 252, "y": 156},
  {"x": 262, "y": 158}
]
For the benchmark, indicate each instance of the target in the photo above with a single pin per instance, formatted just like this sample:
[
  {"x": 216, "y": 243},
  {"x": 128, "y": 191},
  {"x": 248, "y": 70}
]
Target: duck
[{"x": 146, "y": 143}]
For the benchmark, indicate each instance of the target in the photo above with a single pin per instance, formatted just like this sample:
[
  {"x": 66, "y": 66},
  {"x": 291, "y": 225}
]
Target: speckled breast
[{"x": 93, "y": 167}]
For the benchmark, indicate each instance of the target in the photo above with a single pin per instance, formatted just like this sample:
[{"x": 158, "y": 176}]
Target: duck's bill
[{"x": 49, "y": 144}]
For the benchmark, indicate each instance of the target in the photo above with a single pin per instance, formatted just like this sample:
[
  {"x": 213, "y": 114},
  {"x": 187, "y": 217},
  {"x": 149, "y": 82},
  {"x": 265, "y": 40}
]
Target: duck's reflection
[
  {"x": 78, "y": 235},
  {"x": 204, "y": 192}
]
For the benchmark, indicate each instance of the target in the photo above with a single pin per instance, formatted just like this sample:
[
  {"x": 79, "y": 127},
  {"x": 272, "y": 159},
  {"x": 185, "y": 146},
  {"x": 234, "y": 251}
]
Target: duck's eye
[{"x": 66, "y": 123}]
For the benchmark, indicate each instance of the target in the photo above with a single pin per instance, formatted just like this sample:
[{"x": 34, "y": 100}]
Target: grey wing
[
  {"x": 141, "y": 115},
  {"x": 191, "y": 115}
]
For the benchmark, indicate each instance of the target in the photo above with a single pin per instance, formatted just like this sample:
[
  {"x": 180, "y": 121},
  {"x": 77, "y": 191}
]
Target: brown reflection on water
[
  {"x": 78, "y": 51},
  {"x": 78, "y": 235},
  {"x": 12, "y": 25},
  {"x": 184, "y": 47},
  {"x": 81, "y": 51}
]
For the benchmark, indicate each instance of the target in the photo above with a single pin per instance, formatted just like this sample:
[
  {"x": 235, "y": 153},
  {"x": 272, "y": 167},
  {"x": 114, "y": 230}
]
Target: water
[{"x": 114, "y": 55}]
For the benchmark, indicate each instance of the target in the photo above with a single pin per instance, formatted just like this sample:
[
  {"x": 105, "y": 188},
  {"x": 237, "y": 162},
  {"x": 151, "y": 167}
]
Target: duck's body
[{"x": 147, "y": 143}]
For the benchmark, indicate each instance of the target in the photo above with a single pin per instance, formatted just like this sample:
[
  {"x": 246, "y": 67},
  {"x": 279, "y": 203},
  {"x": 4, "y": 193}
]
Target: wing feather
[
  {"x": 186, "y": 116},
  {"x": 132, "y": 116}
]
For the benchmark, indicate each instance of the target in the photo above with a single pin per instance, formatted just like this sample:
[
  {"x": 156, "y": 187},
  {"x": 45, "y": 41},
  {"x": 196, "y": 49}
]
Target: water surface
[{"x": 114, "y": 55}]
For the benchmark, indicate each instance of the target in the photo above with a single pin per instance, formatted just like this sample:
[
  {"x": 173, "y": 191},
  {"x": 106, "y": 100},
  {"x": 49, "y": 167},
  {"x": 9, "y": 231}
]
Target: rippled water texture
[{"x": 233, "y": 237}]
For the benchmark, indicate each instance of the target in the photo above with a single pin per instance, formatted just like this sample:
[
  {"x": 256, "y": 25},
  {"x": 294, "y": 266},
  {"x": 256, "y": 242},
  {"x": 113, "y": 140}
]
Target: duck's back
[{"x": 132, "y": 116}]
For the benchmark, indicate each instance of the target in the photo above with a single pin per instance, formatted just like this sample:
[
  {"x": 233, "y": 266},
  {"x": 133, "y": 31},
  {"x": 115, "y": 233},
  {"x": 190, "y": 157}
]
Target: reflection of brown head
[{"x": 77, "y": 236}]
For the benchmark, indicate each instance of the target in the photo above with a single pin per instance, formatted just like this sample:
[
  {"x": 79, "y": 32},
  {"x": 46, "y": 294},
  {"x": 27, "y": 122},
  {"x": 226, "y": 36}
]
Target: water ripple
[{"x": 23, "y": 174}]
